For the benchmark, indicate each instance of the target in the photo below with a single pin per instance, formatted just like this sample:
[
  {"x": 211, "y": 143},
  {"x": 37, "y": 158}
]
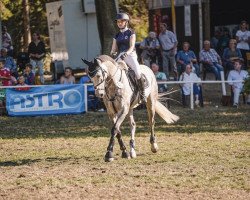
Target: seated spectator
[
  {"x": 211, "y": 59},
  {"x": 185, "y": 57},
  {"x": 189, "y": 76},
  {"x": 5, "y": 75},
  {"x": 160, "y": 76},
  {"x": 9, "y": 62},
  {"x": 150, "y": 49},
  {"x": 230, "y": 54},
  {"x": 21, "y": 82},
  {"x": 28, "y": 74},
  {"x": 68, "y": 77},
  {"x": 237, "y": 74},
  {"x": 93, "y": 101}
]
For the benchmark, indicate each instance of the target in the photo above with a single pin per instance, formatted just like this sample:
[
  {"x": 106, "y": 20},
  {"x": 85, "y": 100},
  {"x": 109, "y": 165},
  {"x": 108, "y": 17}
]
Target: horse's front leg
[
  {"x": 151, "y": 119},
  {"x": 132, "y": 132},
  {"x": 115, "y": 132}
]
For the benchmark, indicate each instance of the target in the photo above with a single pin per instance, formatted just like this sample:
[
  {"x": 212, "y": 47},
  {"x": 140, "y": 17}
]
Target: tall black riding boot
[{"x": 141, "y": 86}]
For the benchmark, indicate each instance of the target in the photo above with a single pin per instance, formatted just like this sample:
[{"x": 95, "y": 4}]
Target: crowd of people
[{"x": 222, "y": 53}]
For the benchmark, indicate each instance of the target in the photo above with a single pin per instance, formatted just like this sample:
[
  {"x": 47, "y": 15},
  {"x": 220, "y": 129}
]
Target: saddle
[{"x": 133, "y": 82}]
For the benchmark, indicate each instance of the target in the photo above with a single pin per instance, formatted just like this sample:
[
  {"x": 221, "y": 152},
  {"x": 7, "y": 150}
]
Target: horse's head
[{"x": 98, "y": 76}]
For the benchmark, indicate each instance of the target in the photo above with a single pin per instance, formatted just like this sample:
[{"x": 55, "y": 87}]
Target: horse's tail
[{"x": 165, "y": 113}]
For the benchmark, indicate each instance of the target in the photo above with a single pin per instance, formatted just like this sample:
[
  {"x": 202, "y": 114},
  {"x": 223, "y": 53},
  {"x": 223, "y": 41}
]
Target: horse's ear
[
  {"x": 90, "y": 64},
  {"x": 97, "y": 62}
]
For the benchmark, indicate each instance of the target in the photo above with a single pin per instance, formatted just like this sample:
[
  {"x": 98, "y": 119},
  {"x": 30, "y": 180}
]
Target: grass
[{"x": 203, "y": 156}]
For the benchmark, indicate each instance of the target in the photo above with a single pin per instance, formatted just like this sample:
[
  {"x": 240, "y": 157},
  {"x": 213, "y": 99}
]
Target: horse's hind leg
[
  {"x": 132, "y": 132},
  {"x": 151, "y": 120}
]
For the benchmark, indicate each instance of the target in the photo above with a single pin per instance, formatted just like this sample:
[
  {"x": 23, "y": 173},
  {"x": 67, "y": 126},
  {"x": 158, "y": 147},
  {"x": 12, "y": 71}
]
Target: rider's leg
[{"x": 131, "y": 60}]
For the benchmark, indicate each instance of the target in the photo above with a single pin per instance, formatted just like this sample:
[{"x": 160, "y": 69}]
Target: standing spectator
[
  {"x": 189, "y": 76},
  {"x": 37, "y": 52},
  {"x": 9, "y": 62},
  {"x": 223, "y": 41},
  {"x": 5, "y": 75},
  {"x": 211, "y": 60},
  {"x": 243, "y": 40},
  {"x": 168, "y": 43},
  {"x": 68, "y": 77},
  {"x": 237, "y": 74},
  {"x": 7, "y": 41},
  {"x": 150, "y": 47},
  {"x": 215, "y": 39},
  {"x": 29, "y": 76},
  {"x": 160, "y": 76},
  {"x": 229, "y": 54},
  {"x": 185, "y": 57}
]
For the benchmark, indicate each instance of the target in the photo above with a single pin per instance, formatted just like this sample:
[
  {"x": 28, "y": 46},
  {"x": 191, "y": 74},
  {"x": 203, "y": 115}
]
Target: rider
[{"x": 124, "y": 43}]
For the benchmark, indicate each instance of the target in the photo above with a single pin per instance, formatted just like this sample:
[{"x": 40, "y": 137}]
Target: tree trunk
[
  {"x": 106, "y": 13},
  {"x": 26, "y": 24}
]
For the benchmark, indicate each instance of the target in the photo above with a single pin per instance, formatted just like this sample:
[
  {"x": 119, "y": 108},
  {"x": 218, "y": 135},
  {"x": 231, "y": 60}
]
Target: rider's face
[{"x": 121, "y": 23}]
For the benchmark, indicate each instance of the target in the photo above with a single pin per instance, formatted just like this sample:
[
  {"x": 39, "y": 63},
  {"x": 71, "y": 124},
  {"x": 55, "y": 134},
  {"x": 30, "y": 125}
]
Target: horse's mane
[
  {"x": 120, "y": 64},
  {"x": 104, "y": 58}
]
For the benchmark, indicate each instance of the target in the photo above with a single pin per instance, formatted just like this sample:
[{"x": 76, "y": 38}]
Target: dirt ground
[{"x": 205, "y": 155}]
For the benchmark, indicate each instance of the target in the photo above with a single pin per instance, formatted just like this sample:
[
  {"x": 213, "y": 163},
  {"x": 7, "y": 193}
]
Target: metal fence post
[
  {"x": 86, "y": 97},
  {"x": 192, "y": 95}
]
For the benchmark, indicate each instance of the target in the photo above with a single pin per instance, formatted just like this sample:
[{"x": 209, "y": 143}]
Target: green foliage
[
  {"x": 247, "y": 86},
  {"x": 13, "y": 19},
  {"x": 139, "y": 16},
  {"x": 5, "y": 13}
]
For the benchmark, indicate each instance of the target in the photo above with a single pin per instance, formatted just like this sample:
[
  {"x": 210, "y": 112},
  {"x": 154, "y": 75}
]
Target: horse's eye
[{"x": 98, "y": 76}]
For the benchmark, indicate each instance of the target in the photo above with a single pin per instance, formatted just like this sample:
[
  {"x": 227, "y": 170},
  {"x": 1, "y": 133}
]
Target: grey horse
[{"x": 112, "y": 84}]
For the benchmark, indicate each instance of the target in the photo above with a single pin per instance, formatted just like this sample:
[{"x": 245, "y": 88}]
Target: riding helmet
[{"x": 122, "y": 16}]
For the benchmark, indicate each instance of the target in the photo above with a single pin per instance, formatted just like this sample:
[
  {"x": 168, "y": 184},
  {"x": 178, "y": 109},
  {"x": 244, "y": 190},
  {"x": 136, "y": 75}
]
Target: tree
[
  {"x": 26, "y": 24},
  {"x": 106, "y": 12}
]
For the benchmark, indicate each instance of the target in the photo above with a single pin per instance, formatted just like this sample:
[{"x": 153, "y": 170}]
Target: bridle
[{"x": 94, "y": 72}]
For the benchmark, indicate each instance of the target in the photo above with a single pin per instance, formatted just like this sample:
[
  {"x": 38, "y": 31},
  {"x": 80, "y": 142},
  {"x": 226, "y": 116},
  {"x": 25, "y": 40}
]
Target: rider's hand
[{"x": 123, "y": 56}]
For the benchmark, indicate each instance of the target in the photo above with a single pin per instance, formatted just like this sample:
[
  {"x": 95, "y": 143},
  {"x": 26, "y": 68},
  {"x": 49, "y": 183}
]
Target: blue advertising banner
[{"x": 49, "y": 100}]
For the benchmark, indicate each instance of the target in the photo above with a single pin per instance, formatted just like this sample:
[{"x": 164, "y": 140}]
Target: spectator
[
  {"x": 168, "y": 43},
  {"x": 215, "y": 39},
  {"x": 150, "y": 49},
  {"x": 230, "y": 54},
  {"x": 93, "y": 101},
  {"x": 29, "y": 76},
  {"x": 7, "y": 41},
  {"x": 37, "y": 53},
  {"x": 9, "y": 62},
  {"x": 185, "y": 57},
  {"x": 211, "y": 60},
  {"x": 237, "y": 74},
  {"x": 5, "y": 75},
  {"x": 68, "y": 77},
  {"x": 189, "y": 76},
  {"x": 160, "y": 76},
  {"x": 243, "y": 39},
  {"x": 223, "y": 41},
  {"x": 21, "y": 82}
]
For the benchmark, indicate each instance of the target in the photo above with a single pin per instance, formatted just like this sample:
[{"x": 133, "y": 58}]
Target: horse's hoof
[
  {"x": 109, "y": 157},
  {"x": 125, "y": 154},
  {"x": 132, "y": 153},
  {"x": 154, "y": 147}
]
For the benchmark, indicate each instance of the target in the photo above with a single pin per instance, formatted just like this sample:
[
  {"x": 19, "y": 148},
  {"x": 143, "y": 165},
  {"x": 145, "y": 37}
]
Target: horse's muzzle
[{"x": 99, "y": 93}]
